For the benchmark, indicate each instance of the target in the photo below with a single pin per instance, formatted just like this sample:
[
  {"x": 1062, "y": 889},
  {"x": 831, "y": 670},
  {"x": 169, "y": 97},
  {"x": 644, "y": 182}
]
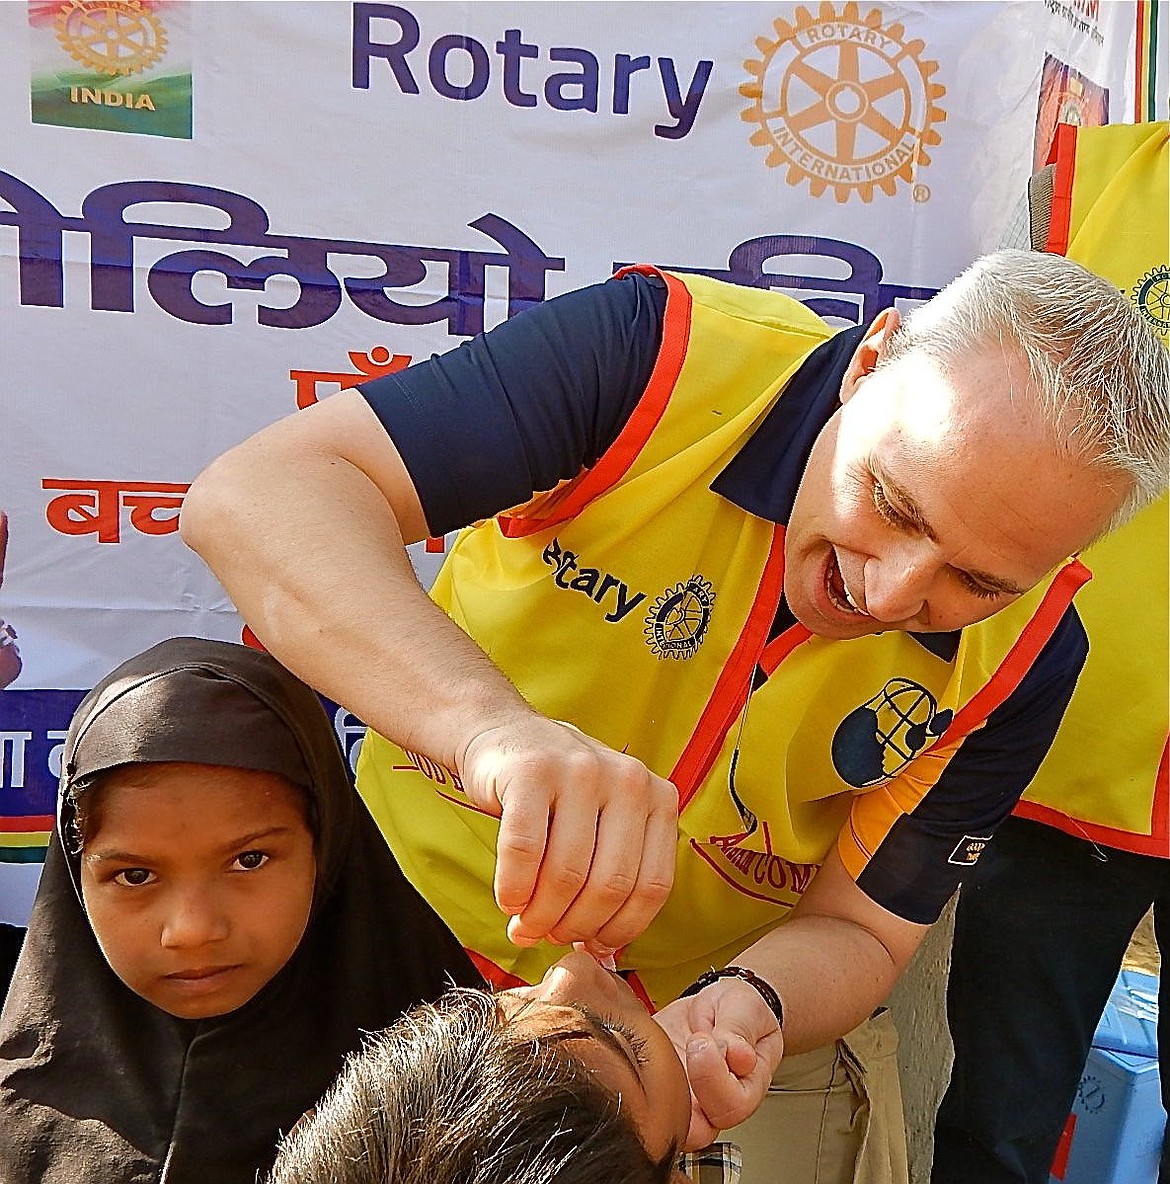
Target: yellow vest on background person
[
  {"x": 1107, "y": 776},
  {"x": 635, "y": 603}
]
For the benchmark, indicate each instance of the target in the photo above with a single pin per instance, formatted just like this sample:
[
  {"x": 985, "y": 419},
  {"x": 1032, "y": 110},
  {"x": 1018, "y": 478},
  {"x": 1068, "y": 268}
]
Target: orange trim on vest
[
  {"x": 1022, "y": 655},
  {"x": 621, "y": 454},
  {"x": 780, "y": 647},
  {"x": 635, "y": 985},
  {"x": 1156, "y": 843},
  {"x": 1063, "y": 153},
  {"x": 499, "y": 978},
  {"x": 733, "y": 686}
]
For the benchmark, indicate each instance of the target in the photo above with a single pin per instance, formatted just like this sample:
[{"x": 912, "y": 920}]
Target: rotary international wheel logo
[
  {"x": 111, "y": 36},
  {"x": 678, "y": 620},
  {"x": 1152, "y": 296},
  {"x": 843, "y": 101}
]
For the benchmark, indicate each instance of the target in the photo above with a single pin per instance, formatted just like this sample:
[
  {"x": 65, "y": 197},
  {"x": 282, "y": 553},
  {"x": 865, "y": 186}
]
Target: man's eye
[
  {"x": 134, "y": 877},
  {"x": 977, "y": 589},
  {"x": 887, "y": 510},
  {"x": 250, "y": 860}
]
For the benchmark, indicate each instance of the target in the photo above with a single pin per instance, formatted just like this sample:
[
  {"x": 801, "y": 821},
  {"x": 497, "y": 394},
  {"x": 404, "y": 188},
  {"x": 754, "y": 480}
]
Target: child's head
[
  {"x": 568, "y": 1081},
  {"x": 197, "y": 880},
  {"x": 191, "y": 822},
  {"x": 208, "y": 834}
]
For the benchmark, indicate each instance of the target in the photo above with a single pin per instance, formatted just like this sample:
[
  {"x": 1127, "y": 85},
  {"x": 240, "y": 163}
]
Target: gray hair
[
  {"x": 452, "y": 1094},
  {"x": 1100, "y": 372}
]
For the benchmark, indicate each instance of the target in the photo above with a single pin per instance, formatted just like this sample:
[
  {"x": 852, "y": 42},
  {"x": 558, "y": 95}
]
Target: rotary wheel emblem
[
  {"x": 1152, "y": 297},
  {"x": 843, "y": 101},
  {"x": 111, "y": 36},
  {"x": 677, "y": 623}
]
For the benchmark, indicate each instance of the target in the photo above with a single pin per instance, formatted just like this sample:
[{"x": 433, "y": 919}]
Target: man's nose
[
  {"x": 193, "y": 918},
  {"x": 897, "y": 583}
]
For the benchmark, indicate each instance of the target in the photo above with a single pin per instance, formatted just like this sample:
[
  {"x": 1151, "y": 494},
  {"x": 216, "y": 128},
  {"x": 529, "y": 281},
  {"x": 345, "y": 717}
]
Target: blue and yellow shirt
[{"x": 641, "y": 600}]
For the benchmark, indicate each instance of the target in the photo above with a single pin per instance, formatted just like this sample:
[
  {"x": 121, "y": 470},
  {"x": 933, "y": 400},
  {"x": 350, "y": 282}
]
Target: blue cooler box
[{"x": 1114, "y": 1134}]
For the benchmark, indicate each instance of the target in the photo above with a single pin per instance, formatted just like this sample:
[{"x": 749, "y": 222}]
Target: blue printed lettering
[
  {"x": 624, "y": 68},
  {"x": 585, "y": 82},
  {"x": 683, "y": 110},
  {"x": 591, "y": 581},
  {"x": 512, "y": 48},
  {"x": 460, "y": 67},
  {"x": 395, "y": 53},
  {"x": 481, "y": 68}
]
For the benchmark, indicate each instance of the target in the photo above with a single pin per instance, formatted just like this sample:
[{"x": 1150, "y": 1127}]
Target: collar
[
  {"x": 721, "y": 1163},
  {"x": 763, "y": 477}
]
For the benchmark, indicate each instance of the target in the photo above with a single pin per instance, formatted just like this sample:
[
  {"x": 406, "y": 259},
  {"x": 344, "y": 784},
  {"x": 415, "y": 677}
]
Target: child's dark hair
[
  {"x": 453, "y": 1094},
  {"x": 84, "y": 800}
]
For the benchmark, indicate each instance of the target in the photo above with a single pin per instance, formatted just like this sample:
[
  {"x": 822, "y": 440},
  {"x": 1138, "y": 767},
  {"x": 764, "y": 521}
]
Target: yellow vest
[
  {"x": 1106, "y": 777},
  {"x": 636, "y": 603}
]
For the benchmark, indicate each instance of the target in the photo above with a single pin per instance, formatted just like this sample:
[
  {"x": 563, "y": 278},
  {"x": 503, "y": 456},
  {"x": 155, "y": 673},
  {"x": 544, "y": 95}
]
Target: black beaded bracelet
[{"x": 766, "y": 990}]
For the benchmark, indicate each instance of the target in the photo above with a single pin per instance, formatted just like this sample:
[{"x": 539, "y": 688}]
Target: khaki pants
[{"x": 832, "y": 1116}]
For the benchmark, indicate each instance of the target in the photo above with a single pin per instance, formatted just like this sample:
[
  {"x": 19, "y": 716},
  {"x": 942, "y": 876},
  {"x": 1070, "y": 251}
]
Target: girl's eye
[
  {"x": 638, "y": 1044},
  {"x": 134, "y": 877},
  {"x": 251, "y": 860}
]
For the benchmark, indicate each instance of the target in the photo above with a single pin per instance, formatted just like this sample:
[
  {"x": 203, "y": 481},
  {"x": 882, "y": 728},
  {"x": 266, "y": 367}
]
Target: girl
[{"x": 217, "y": 922}]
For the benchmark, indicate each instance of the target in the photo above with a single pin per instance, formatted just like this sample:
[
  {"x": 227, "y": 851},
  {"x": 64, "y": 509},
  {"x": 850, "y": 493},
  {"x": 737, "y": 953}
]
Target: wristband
[{"x": 766, "y": 990}]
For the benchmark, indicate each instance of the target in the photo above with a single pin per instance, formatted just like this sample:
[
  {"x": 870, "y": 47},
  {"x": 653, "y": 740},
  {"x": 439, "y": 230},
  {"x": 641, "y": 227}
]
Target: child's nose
[{"x": 192, "y": 920}]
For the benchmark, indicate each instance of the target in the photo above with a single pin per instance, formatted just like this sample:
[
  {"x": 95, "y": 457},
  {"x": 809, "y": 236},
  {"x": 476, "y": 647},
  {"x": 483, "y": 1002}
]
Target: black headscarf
[{"x": 97, "y": 1085}]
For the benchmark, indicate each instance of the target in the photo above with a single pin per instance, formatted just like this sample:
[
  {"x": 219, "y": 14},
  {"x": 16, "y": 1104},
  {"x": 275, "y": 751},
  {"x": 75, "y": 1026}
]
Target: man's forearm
[
  {"x": 830, "y": 975},
  {"x": 305, "y": 524},
  {"x": 314, "y": 559},
  {"x": 834, "y": 960}
]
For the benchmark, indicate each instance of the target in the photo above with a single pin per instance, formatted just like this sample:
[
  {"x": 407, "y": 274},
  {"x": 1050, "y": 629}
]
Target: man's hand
[
  {"x": 587, "y": 835},
  {"x": 731, "y": 1044}
]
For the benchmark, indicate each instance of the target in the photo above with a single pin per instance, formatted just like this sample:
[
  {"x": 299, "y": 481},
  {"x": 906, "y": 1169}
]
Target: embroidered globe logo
[
  {"x": 677, "y": 622},
  {"x": 881, "y": 737}
]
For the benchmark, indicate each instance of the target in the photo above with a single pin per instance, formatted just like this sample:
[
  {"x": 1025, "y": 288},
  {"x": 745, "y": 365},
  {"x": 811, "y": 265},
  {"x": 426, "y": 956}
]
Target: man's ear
[{"x": 870, "y": 350}]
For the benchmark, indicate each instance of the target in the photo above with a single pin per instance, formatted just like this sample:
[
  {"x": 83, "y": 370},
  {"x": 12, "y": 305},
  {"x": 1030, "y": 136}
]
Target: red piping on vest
[{"x": 621, "y": 454}]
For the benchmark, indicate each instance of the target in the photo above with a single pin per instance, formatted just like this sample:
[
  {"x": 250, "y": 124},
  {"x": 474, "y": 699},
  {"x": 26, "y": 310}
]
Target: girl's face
[{"x": 197, "y": 880}]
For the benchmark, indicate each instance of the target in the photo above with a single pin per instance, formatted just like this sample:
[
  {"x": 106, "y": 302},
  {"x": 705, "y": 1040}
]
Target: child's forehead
[
  {"x": 186, "y": 802},
  {"x": 196, "y": 776}
]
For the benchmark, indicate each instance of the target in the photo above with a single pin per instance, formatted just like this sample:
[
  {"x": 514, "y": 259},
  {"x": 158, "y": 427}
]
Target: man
[
  {"x": 698, "y": 495},
  {"x": 1043, "y": 923}
]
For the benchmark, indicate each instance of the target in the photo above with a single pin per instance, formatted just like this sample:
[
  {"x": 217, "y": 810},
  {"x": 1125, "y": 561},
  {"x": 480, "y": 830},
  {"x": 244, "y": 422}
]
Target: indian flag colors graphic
[
  {"x": 1146, "y": 80},
  {"x": 112, "y": 65}
]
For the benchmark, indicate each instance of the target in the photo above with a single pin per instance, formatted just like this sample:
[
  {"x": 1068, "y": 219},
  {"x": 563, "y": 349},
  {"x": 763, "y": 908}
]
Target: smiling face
[
  {"x": 932, "y": 499},
  {"x": 606, "y": 1027},
  {"x": 197, "y": 881}
]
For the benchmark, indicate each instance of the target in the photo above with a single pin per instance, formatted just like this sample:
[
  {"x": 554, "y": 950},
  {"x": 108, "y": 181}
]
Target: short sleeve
[
  {"x": 908, "y": 842},
  {"x": 529, "y": 404}
]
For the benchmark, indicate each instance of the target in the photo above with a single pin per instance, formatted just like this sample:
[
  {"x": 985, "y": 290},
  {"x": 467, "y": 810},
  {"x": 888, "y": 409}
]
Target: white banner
[{"x": 211, "y": 214}]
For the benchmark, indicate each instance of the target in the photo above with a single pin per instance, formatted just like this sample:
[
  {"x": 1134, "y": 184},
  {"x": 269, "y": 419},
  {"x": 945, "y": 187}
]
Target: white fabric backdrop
[{"x": 853, "y": 155}]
